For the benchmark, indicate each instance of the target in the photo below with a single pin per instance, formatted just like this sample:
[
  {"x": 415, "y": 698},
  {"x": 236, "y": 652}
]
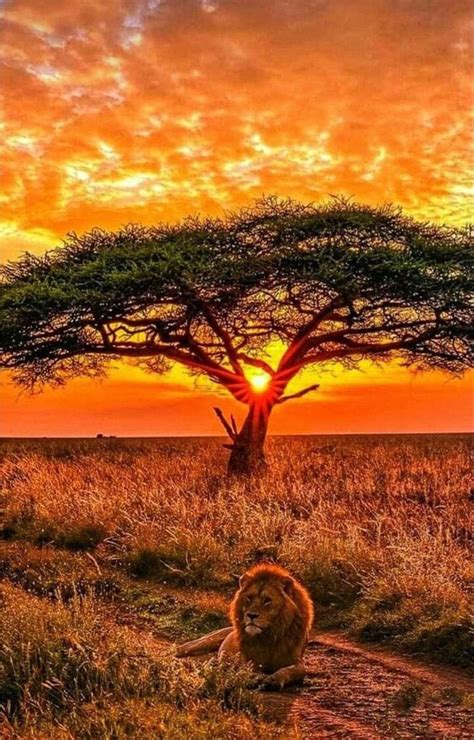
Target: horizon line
[{"x": 222, "y": 436}]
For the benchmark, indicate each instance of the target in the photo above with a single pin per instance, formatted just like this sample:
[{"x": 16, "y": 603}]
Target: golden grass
[
  {"x": 365, "y": 504},
  {"x": 70, "y": 670},
  {"x": 378, "y": 528}
]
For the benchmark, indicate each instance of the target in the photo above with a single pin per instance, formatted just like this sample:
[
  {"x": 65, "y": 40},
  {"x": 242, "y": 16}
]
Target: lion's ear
[
  {"x": 288, "y": 584},
  {"x": 243, "y": 580}
]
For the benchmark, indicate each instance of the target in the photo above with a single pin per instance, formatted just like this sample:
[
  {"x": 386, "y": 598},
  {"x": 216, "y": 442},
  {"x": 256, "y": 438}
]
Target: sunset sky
[{"x": 147, "y": 110}]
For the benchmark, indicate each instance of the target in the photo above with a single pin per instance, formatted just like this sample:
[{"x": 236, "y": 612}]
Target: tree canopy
[{"x": 336, "y": 282}]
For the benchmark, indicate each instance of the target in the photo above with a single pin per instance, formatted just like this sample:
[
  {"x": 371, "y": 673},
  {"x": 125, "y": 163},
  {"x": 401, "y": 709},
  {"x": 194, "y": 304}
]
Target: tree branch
[
  {"x": 359, "y": 348},
  {"x": 343, "y": 335},
  {"x": 255, "y": 362},
  {"x": 297, "y": 346},
  {"x": 133, "y": 349},
  {"x": 220, "y": 332},
  {"x": 103, "y": 333},
  {"x": 187, "y": 340},
  {"x": 310, "y": 388},
  {"x": 234, "y": 425},
  {"x": 232, "y": 433}
]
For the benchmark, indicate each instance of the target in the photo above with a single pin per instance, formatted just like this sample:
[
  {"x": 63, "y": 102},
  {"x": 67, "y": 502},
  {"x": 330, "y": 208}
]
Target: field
[{"x": 111, "y": 550}]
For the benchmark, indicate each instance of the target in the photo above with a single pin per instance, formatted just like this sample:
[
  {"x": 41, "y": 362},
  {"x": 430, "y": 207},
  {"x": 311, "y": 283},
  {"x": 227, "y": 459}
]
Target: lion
[{"x": 271, "y": 616}]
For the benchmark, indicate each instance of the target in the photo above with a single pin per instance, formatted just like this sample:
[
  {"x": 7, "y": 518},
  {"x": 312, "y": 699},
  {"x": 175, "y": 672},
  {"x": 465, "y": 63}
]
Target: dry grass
[
  {"x": 68, "y": 670},
  {"x": 378, "y": 528}
]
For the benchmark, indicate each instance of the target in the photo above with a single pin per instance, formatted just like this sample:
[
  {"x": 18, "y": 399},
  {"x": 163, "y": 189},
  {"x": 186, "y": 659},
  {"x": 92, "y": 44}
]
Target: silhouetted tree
[{"x": 339, "y": 282}]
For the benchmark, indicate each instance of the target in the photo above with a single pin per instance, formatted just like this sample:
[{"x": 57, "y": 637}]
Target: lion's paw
[{"x": 275, "y": 681}]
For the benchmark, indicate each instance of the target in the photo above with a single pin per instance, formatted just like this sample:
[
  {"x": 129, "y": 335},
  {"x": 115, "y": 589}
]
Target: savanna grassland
[{"x": 111, "y": 550}]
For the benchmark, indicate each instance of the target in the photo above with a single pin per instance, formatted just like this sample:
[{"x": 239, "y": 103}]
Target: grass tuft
[{"x": 408, "y": 696}]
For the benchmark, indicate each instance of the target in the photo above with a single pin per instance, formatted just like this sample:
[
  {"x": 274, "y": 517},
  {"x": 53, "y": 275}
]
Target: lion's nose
[{"x": 252, "y": 615}]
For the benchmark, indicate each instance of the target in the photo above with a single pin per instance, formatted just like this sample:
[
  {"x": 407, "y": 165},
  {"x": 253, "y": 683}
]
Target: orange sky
[{"x": 143, "y": 110}]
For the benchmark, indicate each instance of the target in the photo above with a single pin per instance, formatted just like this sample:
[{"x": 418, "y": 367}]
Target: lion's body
[{"x": 271, "y": 617}]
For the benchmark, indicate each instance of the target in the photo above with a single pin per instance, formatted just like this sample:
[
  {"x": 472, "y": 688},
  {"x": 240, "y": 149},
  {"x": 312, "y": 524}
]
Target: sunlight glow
[
  {"x": 259, "y": 382},
  {"x": 94, "y": 144}
]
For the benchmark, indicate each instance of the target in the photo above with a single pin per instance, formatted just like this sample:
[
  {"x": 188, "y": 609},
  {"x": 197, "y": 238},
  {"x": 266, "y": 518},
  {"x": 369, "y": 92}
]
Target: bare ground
[
  {"x": 355, "y": 692},
  {"x": 352, "y": 690}
]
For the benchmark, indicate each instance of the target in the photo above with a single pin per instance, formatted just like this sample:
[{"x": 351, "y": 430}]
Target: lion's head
[{"x": 272, "y": 614}]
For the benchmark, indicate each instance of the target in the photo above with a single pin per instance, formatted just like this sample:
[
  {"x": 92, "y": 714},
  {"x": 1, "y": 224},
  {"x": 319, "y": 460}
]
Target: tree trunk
[{"x": 247, "y": 454}]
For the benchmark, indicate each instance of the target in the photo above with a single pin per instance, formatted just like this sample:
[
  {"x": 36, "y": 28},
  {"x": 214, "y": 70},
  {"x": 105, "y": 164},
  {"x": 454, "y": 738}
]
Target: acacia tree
[{"x": 339, "y": 282}]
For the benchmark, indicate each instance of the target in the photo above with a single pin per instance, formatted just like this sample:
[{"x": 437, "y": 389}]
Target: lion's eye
[{"x": 267, "y": 601}]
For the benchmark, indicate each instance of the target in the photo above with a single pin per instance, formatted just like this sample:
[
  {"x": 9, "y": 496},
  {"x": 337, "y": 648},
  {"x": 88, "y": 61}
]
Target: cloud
[
  {"x": 151, "y": 109},
  {"x": 144, "y": 110}
]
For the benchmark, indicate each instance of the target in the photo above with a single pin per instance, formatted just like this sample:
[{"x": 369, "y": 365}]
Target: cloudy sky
[{"x": 142, "y": 110}]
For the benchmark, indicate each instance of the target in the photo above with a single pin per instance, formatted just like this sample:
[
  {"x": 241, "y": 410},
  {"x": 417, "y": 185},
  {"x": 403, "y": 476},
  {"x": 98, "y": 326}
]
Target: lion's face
[
  {"x": 271, "y": 615},
  {"x": 264, "y": 605}
]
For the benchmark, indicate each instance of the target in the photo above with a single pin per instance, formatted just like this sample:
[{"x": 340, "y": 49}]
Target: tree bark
[{"x": 247, "y": 453}]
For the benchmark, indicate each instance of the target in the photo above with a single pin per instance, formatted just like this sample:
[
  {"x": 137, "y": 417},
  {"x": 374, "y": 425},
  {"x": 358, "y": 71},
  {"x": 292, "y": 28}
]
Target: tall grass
[
  {"x": 68, "y": 670},
  {"x": 378, "y": 528}
]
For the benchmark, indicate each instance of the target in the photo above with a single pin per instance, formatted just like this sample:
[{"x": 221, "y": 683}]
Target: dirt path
[
  {"x": 356, "y": 691},
  {"x": 353, "y": 692}
]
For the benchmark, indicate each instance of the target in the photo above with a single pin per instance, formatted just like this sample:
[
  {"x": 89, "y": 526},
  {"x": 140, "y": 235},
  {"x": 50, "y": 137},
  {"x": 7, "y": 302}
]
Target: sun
[{"x": 259, "y": 382}]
